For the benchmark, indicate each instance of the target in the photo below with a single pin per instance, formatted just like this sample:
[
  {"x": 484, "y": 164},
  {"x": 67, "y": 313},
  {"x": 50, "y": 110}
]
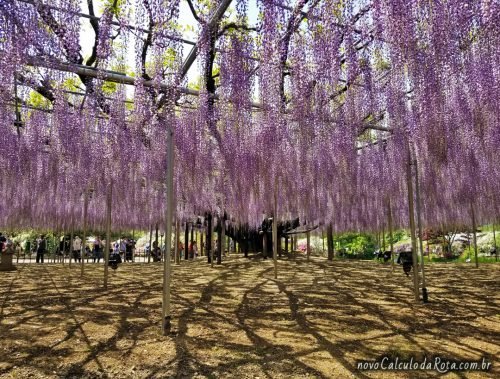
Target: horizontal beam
[
  {"x": 96, "y": 18},
  {"x": 116, "y": 77},
  {"x": 110, "y": 76}
]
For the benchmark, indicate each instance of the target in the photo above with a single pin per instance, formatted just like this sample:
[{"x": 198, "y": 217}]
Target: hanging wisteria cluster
[{"x": 319, "y": 111}]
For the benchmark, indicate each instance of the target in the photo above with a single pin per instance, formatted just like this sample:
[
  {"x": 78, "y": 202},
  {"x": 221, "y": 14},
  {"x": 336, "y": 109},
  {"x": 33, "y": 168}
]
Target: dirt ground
[{"x": 236, "y": 321}]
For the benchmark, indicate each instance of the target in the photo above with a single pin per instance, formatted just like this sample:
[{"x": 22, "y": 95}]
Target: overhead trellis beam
[
  {"x": 96, "y": 18},
  {"x": 116, "y": 77},
  {"x": 106, "y": 75},
  {"x": 219, "y": 12}
]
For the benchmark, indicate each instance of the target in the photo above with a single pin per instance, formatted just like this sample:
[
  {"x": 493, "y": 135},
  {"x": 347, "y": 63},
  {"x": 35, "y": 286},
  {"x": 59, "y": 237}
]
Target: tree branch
[
  {"x": 233, "y": 25},
  {"x": 193, "y": 11},
  {"x": 60, "y": 31},
  {"x": 95, "y": 25}
]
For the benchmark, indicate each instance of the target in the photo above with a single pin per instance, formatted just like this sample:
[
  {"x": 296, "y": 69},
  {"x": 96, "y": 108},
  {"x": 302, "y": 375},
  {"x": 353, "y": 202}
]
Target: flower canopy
[{"x": 327, "y": 103}]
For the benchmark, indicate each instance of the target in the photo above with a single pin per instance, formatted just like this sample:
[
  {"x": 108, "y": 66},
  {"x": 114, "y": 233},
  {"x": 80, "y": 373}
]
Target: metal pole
[
  {"x": 474, "y": 227},
  {"x": 71, "y": 244},
  {"x": 308, "y": 245},
  {"x": 176, "y": 249},
  {"x": 275, "y": 230},
  {"x": 495, "y": 243},
  {"x": 211, "y": 229},
  {"x": 389, "y": 215},
  {"x": 85, "y": 208},
  {"x": 186, "y": 241},
  {"x": 150, "y": 242},
  {"x": 412, "y": 226},
  {"x": 109, "y": 202},
  {"x": 166, "y": 317},
  {"x": 419, "y": 221}
]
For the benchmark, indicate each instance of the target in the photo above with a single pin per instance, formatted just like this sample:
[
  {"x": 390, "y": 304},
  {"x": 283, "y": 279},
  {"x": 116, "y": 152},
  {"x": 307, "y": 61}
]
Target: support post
[
  {"x": 391, "y": 243},
  {"x": 495, "y": 243},
  {"x": 275, "y": 230},
  {"x": 84, "y": 241},
  {"x": 186, "y": 241},
  {"x": 72, "y": 237},
  {"x": 220, "y": 242},
  {"x": 209, "y": 238},
  {"x": 177, "y": 239},
  {"x": 411, "y": 214},
  {"x": 213, "y": 247},
  {"x": 474, "y": 227},
  {"x": 308, "y": 234},
  {"x": 169, "y": 211},
  {"x": 109, "y": 202},
  {"x": 201, "y": 243},
  {"x": 192, "y": 235},
  {"x": 156, "y": 236},
  {"x": 150, "y": 242},
  {"x": 425, "y": 297}
]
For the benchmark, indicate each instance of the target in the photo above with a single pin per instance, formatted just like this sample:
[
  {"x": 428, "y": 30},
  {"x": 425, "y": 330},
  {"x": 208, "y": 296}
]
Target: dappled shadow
[{"x": 317, "y": 319}]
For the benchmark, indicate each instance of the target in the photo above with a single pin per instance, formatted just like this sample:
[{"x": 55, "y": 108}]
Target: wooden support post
[
  {"x": 109, "y": 202},
  {"x": 474, "y": 227}
]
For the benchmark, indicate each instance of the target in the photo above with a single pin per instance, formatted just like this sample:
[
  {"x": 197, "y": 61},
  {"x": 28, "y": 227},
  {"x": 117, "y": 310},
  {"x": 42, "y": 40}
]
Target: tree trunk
[{"x": 329, "y": 241}]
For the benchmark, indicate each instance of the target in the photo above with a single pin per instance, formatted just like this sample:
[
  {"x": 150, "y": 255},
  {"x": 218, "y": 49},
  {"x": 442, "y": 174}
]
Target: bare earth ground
[{"x": 235, "y": 320}]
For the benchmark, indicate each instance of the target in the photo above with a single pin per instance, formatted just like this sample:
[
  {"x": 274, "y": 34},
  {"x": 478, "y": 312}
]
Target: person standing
[
  {"x": 77, "y": 247},
  {"x": 97, "y": 249},
  {"x": 195, "y": 250},
  {"x": 123, "y": 248},
  {"x": 41, "y": 248}
]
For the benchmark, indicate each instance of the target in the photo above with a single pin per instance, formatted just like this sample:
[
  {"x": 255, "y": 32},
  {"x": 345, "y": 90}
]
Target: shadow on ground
[{"x": 317, "y": 319}]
